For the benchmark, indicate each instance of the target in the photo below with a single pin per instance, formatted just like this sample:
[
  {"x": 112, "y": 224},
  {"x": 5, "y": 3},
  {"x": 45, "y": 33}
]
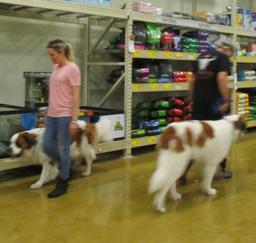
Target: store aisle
[{"x": 112, "y": 206}]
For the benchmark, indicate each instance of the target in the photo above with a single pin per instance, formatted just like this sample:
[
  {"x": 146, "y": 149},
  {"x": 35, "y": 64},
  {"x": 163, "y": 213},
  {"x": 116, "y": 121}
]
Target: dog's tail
[{"x": 169, "y": 168}]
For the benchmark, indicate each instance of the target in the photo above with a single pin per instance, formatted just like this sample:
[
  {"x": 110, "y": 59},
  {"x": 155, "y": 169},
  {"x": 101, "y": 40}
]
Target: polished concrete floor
[{"x": 112, "y": 206}]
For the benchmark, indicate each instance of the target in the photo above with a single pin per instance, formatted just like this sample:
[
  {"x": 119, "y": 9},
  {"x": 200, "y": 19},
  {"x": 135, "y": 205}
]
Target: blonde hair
[{"x": 62, "y": 46}]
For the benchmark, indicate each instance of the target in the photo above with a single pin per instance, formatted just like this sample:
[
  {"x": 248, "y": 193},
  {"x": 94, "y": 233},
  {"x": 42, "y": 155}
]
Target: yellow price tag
[
  {"x": 178, "y": 86},
  {"x": 167, "y": 86},
  {"x": 151, "y": 140},
  {"x": 154, "y": 87},
  {"x": 135, "y": 142},
  {"x": 152, "y": 54},
  {"x": 137, "y": 53},
  {"x": 178, "y": 54},
  {"x": 168, "y": 54},
  {"x": 136, "y": 87}
]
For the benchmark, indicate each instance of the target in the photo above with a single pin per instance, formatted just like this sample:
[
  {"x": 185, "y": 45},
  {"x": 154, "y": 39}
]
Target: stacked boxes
[{"x": 242, "y": 104}]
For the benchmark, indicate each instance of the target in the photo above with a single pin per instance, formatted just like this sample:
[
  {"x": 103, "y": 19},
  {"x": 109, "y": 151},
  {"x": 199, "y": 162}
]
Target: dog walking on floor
[
  {"x": 29, "y": 145},
  {"x": 206, "y": 142}
]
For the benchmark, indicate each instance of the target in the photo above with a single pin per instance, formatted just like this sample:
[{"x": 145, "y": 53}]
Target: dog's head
[
  {"x": 20, "y": 142},
  {"x": 239, "y": 125}
]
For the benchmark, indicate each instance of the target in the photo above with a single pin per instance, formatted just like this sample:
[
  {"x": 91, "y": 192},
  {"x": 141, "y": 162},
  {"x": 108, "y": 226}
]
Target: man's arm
[{"x": 222, "y": 81}]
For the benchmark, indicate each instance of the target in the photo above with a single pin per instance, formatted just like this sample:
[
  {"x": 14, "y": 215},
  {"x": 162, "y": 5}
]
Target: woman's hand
[{"x": 73, "y": 128}]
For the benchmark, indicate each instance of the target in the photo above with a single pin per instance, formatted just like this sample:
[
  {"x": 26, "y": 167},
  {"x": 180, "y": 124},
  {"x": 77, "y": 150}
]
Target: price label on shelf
[
  {"x": 151, "y": 140},
  {"x": 178, "y": 54},
  {"x": 135, "y": 142},
  {"x": 191, "y": 57},
  {"x": 179, "y": 87},
  {"x": 136, "y": 87},
  {"x": 154, "y": 87},
  {"x": 137, "y": 53},
  {"x": 152, "y": 54},
  {"x": 168, "y": 54},
  {"x": 167, "y": 86}
]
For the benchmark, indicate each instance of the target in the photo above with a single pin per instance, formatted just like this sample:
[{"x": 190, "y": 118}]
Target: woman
[{"x": 63, "y": 110}]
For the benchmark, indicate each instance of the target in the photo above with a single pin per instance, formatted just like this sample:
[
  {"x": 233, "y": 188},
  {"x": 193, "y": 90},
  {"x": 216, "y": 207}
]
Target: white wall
[{"x": 23, "y": 48}]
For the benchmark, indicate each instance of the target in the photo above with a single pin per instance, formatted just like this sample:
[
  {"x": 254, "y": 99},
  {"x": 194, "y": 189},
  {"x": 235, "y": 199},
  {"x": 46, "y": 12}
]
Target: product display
[
  {"x": 153, "y": 36},
  {"x": 153, "y": 116},
  {"x": 242, "y": 104},
  {"x": 246, "y": 75},
  {"x": 101, "y": 3}
]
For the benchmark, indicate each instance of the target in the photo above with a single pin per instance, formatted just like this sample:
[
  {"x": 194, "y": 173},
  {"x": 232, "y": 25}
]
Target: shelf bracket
[{"x": 112, "y": 90}]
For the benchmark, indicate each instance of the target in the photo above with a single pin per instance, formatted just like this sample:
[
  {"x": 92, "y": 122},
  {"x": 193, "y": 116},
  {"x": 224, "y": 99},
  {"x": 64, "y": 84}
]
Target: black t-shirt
[{"x": 206, "y": 68}]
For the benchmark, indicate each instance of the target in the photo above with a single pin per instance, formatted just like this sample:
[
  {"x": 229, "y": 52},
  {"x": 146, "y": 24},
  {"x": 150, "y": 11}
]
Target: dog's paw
[
  {"x": 36, "y": 185},
  {"x": 160, "y": 209},
  {"x": 211, "y": 192},
  {"x": 86, "y": 173},
  {"x": 176, "y": 196}
]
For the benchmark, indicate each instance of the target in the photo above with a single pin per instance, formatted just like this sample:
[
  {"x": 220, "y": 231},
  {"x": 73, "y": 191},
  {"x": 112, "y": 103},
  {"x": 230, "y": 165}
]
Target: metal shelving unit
[
  {"x": 61, "y": 11},
  {"x": 82, "y": 14}
]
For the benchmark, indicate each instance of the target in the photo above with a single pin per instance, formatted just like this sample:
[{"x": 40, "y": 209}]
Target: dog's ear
[
  {"x": 29, "y": 138},
  {"x": 91, "y": 133},
  {"x": 77, "y": 136}
]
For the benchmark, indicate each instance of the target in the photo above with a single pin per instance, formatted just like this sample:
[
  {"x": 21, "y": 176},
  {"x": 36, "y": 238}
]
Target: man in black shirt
[{"x": 209, "y": 89}]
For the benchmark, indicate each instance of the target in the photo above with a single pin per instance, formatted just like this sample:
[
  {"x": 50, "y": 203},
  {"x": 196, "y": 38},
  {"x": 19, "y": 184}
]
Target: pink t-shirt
[{"x": 60, "y": 89}]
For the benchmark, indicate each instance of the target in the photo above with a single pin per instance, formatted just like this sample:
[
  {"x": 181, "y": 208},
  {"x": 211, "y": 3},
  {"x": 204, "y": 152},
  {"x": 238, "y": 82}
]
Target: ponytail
[{"x": 62, "y": 46}]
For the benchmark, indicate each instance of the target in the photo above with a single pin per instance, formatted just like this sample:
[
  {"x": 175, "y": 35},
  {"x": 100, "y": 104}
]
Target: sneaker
[{"x": 227, "y": 174}]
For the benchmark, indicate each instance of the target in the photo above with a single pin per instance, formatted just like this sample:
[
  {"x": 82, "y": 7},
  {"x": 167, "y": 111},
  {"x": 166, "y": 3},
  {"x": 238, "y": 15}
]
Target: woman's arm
[{"x": 76, "y": 102}]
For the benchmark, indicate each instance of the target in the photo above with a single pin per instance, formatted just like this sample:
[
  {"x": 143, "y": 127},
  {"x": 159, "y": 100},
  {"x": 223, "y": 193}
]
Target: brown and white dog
[
  {"x": 206, "y": 142},
  {"x": 28, "y": 145}
]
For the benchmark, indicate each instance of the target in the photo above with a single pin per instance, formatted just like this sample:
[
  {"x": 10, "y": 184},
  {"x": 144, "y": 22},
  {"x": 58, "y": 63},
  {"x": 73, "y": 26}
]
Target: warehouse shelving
[
  {"x": 158, "y": 87},
  {"x": 164, "y": 55},
  {"x": 81, "y": 14},
  {"x": 61, "y": 11},
  {"x": 246, "y": 84},
  {"x": 144, "y": 141}
]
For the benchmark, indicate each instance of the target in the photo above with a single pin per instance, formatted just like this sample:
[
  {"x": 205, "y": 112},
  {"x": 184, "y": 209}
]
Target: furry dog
[
  {"x": 28, "y": 145},
  {"x": 206, "y": 142}
]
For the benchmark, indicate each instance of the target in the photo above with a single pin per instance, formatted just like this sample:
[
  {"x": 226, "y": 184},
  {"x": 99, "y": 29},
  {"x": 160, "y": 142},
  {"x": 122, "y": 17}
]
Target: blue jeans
[{"x": 57, "y": 141}]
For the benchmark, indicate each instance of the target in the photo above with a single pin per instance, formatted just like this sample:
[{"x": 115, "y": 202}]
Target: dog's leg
[
  {"x": 54, "y": 172},
  {"x": 44, "y": 177},
  {"x": 90, "y": 156},
  {"x": 159, "y": 200},
  {"x": 208, "y": 173},
  {"x": 174, "y": 194}
]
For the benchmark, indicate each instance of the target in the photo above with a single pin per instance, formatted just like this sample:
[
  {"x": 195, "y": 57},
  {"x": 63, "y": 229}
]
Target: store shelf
[
  {"x": 7, "y": 164},
  {"x": 246, "y": 84},
  {"x": 245, "y": 59},
  {"x": 144, "y": 141},
  {"x": 164, "y": 55},
  {"x": 245, "y": 32},
  {"x": 181, "y": 22},
  {"x": 65, "y": 8},
  {"x": 156, "y": 87},
  {"x": 112, "y": 146},
  {"x": 250, "y": 124}
]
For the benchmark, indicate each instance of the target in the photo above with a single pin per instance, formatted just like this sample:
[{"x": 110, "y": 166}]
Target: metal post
[
  {"x": 234, "y": 68},
  {"x": 128, "y": 81},
  {"x": 85, "y": 61},
  {"x": 194, "y": 6}
]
